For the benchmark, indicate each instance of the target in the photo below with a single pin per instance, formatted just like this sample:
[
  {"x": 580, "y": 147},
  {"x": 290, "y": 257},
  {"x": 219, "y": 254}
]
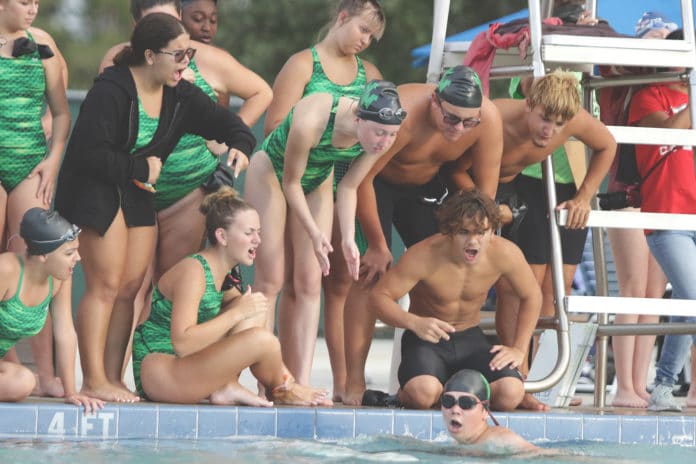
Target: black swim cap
[
  {"x": 45, "y": 230},
  {"x": 469, "y": 381},
  {"x": 380, "y": 103},
  {"x": 460, "y": 86}
]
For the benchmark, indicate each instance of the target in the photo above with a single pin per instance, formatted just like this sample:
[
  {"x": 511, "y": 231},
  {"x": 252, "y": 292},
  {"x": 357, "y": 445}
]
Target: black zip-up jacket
[{"x": 96, "y": 177}]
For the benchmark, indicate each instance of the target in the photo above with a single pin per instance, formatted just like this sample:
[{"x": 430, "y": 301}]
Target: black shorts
[
  {"x": 411, "y": 209},
  {"x": 467, "y": 349},
  {"x": 533, "y": 233}
]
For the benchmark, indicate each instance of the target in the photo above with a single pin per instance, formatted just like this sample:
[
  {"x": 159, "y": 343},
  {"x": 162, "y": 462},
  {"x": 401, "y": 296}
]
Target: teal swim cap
[
  {"x": 460, "y": 86},
  {"x": 469, "y": 381},
  {"x": 45, "y": 231},
  {"x": 380, "y": 103}
]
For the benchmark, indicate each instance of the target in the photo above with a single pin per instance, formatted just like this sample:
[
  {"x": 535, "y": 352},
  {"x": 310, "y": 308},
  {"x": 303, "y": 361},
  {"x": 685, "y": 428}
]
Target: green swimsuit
[
  {"x": 17, "y": 320},
  {"x": 321, "y": 158},
  {"x": 154, "y": 335},
  {"x": 189, "y": 164},
  {"x": 22, "y": 140}
]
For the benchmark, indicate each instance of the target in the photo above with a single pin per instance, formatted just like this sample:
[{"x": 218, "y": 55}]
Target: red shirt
[{"x": 671, "y": 188}]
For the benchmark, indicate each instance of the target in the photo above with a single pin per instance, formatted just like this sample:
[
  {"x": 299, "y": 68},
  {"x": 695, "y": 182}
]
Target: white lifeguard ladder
[{"x": 581, "y": 53}]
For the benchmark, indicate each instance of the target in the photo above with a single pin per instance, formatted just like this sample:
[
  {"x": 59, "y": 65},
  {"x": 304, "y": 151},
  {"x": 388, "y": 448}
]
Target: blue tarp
[{"x": 621, "y": 14}]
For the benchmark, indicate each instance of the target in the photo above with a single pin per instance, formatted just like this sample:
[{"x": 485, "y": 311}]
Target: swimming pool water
[{"x": 262, "y": 450}]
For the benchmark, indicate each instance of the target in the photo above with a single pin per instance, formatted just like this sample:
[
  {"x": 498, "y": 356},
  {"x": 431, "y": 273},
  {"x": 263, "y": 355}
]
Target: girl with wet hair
[
  {"x": 108, "y": 179},
  {"x": 30, "y": 283},
  {"x": 202, "y": 328},
  {"x": 290, "y": 181}
]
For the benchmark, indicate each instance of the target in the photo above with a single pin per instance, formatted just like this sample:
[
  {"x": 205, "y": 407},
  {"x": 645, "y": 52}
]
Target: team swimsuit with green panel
[
  {"x": 321, "y": 158},
  {"x": 155, "y": 336},
  {"x": 17, "y": 320},
  {"x": 320, "y": 82},
  {"x": 22, "y": 139},
  {"x": 190, "y": 164}
]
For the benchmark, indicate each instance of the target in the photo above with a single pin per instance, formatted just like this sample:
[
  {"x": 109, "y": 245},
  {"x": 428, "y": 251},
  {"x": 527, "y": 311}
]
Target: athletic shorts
[
  {"x": 411, "y": 209},
  {"x": 467, "y": 349},
  {"x": 533, "y": 233}
]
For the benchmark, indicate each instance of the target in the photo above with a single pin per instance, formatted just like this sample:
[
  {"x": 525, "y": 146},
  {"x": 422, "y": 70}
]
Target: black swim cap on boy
[
  {"x": 469, "y": 381},
  {"x": 460, "y": 86},
  {"x": 45, "y": 230},
  {"x": 380, "y": 103}
]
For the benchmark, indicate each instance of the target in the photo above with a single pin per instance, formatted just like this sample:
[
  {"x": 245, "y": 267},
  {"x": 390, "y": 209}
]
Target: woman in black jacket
[{"x": 129, "y": 122}]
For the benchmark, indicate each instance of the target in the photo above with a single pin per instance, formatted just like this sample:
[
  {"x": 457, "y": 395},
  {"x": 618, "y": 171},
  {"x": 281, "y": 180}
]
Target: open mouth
[
  {"x": 454, "y": 426},
  {"x": 252, "y": 253},
  {"x": 470, "y": 253}
]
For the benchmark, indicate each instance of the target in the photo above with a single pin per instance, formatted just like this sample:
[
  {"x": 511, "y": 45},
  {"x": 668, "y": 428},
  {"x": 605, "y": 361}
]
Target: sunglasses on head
[
  {"x": 387, "y": 114},
  {"x": 464, "y": 402},
  {"x": 69, "y": 236},
  {"x": 179, "y": 54},
  {"x": 453, "y": 120}
]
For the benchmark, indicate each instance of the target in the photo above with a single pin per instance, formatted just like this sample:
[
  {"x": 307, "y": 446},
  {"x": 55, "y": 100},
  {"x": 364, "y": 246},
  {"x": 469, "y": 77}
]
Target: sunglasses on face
[
  {"x": 387, "y": 114},
  {"x": 464, "y": 402},
  {"x": 453, "y": 120},
  {"x": 180, "y": 54},
  {"x": 68, "y": 236}
]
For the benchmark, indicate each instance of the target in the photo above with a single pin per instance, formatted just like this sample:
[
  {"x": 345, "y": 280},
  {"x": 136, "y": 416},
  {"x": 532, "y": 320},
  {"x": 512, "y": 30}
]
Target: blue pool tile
[
  {"x": 60, "y": 420},
  {"x": 601, "y": 428},
  {"x": 370, "y": 422},
  {"x": 562, "y": 427},
  {"x": 335, "y": 424},
  {"x": 529, "y": 426},
  {"x": 177, "y": 422},
  {"x": 137, "y": 421},
  {"x": 257, "y": 421},
  {"x": 676, "y": 430},
  {"x": 18, "y": 419},
  {"x": 102, "y": 425},
  {"x": 438, "y": 429},
  {"x": 635, "y": 429},
  {"x": 501, "y": 417},
  {"x": 296, "y": 423},
  {"x": 416, "y": 424},
  {"x": 217, "y": 422}
]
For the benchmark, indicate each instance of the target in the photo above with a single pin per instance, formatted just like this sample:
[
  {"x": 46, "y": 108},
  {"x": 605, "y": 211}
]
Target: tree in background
[{"x": 263, "y": 33}]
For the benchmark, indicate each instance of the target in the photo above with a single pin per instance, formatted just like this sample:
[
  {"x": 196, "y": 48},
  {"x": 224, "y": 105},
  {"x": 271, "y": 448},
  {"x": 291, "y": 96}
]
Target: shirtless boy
[
  {"x": 448, "y": 122},
  {"x": 448, "y": 276}
]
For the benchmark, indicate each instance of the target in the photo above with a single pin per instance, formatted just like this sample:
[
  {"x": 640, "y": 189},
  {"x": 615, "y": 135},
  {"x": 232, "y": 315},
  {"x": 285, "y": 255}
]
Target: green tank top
[
  {"x": 319, "y": 82},
  {"x": 147, "y": 126},
  {"x": 190, "y": 164},
  {"x": 321, "y": 158},
  {"x": 155, "y": 336},
  {"x": 17, "y": 320},
  {"x": 22, "y": 93}
]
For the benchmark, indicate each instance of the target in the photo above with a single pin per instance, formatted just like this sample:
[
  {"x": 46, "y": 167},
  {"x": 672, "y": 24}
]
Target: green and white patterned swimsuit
[
  {"x": 155, "y": 336},
  {"x": 22, "y": 139},
  {"x": 321, "y": 158},
  {"x": 189, "y": 164},
  {"x": 17, "y": 320}
]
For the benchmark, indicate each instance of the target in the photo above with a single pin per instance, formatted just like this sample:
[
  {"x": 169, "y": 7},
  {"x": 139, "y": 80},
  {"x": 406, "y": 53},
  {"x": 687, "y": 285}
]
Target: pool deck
[{"x": 51, "y": 419}]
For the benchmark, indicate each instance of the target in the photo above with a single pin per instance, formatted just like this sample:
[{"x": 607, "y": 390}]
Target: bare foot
[
  {"x": 628, "y": 400},
  {"x": 48, "y": 387},
  {"x": 353, "y": 397},
  {"x": 234, "y": 393},
  {"x": 110, "y": 392},
  {"x": 575, "y": 401},
  {"x": 530, "y": 402},
  {"x": 643, "y": 393},
  {"x": 691, "y": 398},
  {"x": 293, "y": 393}
]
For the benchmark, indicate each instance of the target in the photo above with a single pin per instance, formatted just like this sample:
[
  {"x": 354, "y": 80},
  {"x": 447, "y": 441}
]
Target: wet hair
[
  {"x": 153, "y": 32},
  {"x": 380, "y": 103},
  {"x": 186, "y": 2},
  {"x": 470, "y": 204},
  {"x": 138, "y": 6},
  {"x": 677, "y": 34},
  {"x": 469, "y": 381},
  {"x": 460, "y": 86},
  {"x": 558, "y": 93},
  {"x": 220, "y": 208},
  {"x": 44, "y": 231},
  {"x": 356, "y": 8}
]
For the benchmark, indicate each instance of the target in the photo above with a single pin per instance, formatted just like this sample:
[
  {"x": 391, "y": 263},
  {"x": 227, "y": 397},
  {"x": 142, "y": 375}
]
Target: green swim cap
[
  {"x": 45, "y": 231},
  {"x": 380, "y": 103},
  {"x": 469, "y": 381},
  {"x": 460, "y": 86}
]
